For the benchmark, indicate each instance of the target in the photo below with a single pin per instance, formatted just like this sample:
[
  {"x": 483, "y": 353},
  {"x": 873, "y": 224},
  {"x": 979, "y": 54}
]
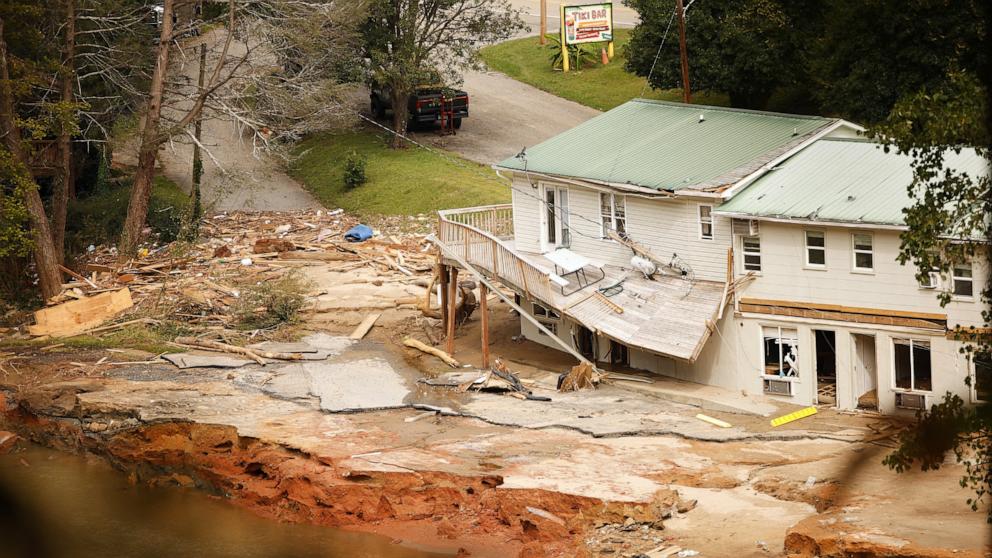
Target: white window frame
[
  {"x": 807, "y": 248},
  {"x": 855, "y": 251},
  {"x": 563, "y": 229},
  {"x": 912, "y": 365},
  {"x": 549, "y": 318},
  {"x": 704, "y": 221},
  {"x": 970, "y": 279},
  {"x": 934, "y": 280},
  {"x": 781, "y": 357},
  {"x": 745, "y": 253},
  {"x": 610, "y": 213}
]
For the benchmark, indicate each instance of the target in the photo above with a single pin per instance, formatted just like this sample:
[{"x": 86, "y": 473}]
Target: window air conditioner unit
[
  {"x": 745, "y": 227},
  {"x": 778, "y": 387},
  {"x": 913, "y": 401}
]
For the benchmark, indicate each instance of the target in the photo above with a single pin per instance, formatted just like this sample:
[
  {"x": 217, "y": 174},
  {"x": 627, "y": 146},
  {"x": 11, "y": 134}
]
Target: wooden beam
[
  {"x": 484, "y": 308},
  {"x": 442, "y": 273},
  {"x": 845, "y": 309},
  {"x": 452, "y": 289},
  {"x": 812, "y": 314}
]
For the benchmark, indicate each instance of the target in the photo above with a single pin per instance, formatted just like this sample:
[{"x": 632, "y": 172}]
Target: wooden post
[
  {"x": 564, "y": 47},
  {"x": 484, "y": 307},
  {"x": 686, "y": 97},
  {"x": 452, "y": 297},
  {"x": 544, "y": 23},
  {"x": 443, "y": 279}
]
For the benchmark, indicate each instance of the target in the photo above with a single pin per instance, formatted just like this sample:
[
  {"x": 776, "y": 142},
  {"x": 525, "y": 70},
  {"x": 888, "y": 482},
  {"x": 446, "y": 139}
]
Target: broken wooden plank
[
  {"x": 77, "y": 316},
  {"x": 363, "y": 328},
  {"x": 713, "y": 421}
]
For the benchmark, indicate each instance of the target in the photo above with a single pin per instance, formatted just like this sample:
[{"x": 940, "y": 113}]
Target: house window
[
  {"x": 619, "y": 354},
  {"x": 912, "y": 364},
  {"x": 863, "y": 256},
  {"x": 752, "y": 253},
  {"x": 964, "y": 284},
  {"x": 548, "y": 318},
  {"x": 706, "y": 222},
  {"x": 816, "y": 249},
  {"x": 556, "y": 216},
  {"x": 982, "y": 380},
  {"x": 781, "y": 347},
  {"x": 613, "y": 210},
  {"x": 931, "y": 280}
]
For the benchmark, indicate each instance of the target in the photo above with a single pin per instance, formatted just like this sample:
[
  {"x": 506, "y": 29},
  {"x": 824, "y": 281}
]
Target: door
[
  {"x": 556, "y": 231},
  {"x": 826, "y": 367},
  {"x": 865, "y": 372}
]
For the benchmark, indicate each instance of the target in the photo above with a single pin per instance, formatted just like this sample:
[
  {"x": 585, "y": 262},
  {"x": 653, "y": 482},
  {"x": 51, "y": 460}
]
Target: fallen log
[
  {"x": 448, "y": 359},
  {"x": 253, "y": 354},
  {"x": 317, "y": 256}
]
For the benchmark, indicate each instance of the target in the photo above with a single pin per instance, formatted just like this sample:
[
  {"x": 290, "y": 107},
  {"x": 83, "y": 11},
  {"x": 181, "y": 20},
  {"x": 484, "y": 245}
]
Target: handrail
[{"x": 475, "y": 234}]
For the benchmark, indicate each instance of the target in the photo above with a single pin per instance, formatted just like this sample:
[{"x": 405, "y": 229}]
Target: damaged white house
[{"x": 748, "y": 250}]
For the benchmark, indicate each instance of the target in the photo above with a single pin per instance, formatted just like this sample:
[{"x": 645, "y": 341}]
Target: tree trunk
[
  {"x": 400, "y": 115},
  {"x": 49, "y": 276},
  {"x": 60, "y": 195},
  {"x": 197, "y": 156},
  {"x": 141, "y": 190}
]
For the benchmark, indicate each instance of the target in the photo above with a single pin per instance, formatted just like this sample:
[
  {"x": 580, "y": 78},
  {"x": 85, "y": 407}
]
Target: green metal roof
[
  {"x": 665, "y": 146},
  {"x": 840, "y": 180}
]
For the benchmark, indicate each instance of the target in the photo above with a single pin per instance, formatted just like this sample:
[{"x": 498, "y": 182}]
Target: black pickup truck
[{"x": 425, "y": 105}]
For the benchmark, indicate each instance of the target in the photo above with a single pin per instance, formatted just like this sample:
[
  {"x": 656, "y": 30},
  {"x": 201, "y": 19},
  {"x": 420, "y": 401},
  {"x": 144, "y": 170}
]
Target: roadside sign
[
  {"x": 584, "y": 24},
  {"x": 588, "y": 23}
]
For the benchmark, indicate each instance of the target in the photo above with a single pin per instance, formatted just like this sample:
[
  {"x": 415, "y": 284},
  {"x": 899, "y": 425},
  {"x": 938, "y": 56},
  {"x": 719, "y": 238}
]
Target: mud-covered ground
[{"x": 356, "y": 441}]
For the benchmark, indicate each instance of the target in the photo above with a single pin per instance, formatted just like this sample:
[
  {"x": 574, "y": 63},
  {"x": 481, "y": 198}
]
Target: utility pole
[
  {"x": 544, "y": 22},
  {"x": 686, "y": 98}
]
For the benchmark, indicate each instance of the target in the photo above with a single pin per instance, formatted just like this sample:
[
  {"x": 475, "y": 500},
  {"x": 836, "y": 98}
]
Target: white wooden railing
[{"x": 476, "y": 234}]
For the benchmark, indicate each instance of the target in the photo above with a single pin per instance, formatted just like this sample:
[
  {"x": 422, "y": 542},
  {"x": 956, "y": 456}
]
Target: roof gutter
[
  {"x": 744, "y": 182},
  {"x": 592, "y": 184},
  {"x": 814, "y": 222}
]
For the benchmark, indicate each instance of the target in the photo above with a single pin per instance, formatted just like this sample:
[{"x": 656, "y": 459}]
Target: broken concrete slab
[
  {"x": 205, "y": 360},
  {"x": 363, "y": 384},
  {"x": 454, "y": 379},
  {"x": 333, "y": 344},
  {"x": 276, "y": 347}
]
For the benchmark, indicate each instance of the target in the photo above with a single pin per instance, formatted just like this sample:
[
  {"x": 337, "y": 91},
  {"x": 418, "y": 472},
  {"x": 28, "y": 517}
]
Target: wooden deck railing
[{"x": 475, "y": 234}]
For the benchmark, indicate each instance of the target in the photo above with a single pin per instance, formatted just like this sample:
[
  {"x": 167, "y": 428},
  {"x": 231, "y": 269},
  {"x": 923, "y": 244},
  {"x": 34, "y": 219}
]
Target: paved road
[{"x": 622, "y": 15}]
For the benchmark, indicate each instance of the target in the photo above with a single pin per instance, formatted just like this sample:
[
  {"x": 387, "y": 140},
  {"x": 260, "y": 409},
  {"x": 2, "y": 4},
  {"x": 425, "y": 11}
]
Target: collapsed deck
[{"x": 666, "y": 315}]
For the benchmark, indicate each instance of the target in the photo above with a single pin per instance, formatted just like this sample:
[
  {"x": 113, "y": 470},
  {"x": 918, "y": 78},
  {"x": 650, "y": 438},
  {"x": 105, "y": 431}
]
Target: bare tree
[{"x": 60, "y": 194}]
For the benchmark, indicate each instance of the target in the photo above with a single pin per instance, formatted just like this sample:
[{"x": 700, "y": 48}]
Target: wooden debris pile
[{"x": 199, "y": 284}]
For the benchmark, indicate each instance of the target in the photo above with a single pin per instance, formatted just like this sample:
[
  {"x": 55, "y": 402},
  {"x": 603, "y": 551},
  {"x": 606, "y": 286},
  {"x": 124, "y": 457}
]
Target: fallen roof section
[
  {"x": 850, "y": 181},
  {"x": 670, "y": 146}
]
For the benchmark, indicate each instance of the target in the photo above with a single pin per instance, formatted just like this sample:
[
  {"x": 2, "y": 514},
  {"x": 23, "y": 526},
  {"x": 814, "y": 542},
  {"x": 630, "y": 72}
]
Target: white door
[
  {"x": 865, "y": 372},
  {"x": 555, "y": 218}
]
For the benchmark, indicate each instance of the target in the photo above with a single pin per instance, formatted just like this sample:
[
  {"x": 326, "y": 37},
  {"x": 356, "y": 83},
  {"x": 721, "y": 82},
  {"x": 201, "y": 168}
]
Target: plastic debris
[
  {"x": 246, "y": 261},
  {"x": 810, "y": 482},
  {"x": 687, "y": 552}
]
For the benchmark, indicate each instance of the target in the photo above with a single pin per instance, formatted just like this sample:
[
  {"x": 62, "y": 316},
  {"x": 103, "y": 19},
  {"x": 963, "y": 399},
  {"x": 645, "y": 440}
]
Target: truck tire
[{"x": 458, "y": 123}]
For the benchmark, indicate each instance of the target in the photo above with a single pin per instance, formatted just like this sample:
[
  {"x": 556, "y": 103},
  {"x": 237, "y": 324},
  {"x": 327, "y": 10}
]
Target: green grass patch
[
  {"x": 152, "y": 339},
  {"x": 399, "y": 181},
  {"x": 594, "y": 85}
]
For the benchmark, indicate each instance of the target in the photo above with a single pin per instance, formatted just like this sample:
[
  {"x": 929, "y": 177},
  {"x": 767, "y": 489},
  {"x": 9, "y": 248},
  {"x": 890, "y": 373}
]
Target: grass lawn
[
  {"x": 597, "y": 86},
  {"x": 400, "y": 182}
]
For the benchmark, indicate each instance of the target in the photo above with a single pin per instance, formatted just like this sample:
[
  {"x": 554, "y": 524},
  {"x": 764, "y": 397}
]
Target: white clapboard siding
[
  {"x": 891, "y": 286},
  {"x": 526, "y": 216}
]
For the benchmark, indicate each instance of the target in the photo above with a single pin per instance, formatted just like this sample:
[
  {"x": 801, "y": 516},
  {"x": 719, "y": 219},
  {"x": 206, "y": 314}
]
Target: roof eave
[{"x": 811, "y": 222}]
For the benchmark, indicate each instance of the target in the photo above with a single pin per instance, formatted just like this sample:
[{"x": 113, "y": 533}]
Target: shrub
[
  {"x": 354, "y": 170},
  {"x": 272, "y": 303}
]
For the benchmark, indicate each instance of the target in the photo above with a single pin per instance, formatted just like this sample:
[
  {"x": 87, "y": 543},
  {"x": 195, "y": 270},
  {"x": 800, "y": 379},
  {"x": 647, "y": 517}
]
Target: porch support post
[
  {"x": 484, "y": 307},
  {"x": 442, "y": 273},
  {"x": 452, "y": 297}
]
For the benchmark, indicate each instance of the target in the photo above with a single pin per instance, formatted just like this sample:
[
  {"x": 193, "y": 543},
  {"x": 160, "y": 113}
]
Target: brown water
[{"x": 58, "y": 505}]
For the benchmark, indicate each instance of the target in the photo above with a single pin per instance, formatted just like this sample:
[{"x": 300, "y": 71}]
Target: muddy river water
[{"x": 59, "y": 505}]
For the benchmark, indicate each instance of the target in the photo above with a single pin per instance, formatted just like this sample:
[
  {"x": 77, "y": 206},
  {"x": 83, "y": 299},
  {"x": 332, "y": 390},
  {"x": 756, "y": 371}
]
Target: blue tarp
[{"x": 358, "y": 233}]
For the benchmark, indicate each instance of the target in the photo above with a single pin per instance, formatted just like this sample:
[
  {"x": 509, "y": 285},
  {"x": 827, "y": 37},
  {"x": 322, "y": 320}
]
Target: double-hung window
[
  {"x": 864, "y": 259},
  {"x": 706, "y": 222},
  {"x": 752, "y": 253},
  {"x": 781, "y": 346},
  {"x": 613, "y": 212},
  {"x": 981, "y": 382},
  {"x": 912, "y": 364},
  {"x": 962, "y": 280},
  {"x": 816, "y": 249}
]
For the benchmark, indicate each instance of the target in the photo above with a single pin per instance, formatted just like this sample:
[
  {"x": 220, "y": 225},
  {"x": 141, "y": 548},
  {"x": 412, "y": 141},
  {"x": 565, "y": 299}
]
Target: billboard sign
[{"x": 589, "y": 23}]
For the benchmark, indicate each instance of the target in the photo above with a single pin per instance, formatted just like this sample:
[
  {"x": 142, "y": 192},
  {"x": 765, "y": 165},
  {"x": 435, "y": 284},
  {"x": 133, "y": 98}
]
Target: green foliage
[
  {"x": 15, "y": 237},
  {"x": 400, "y": 181},
  {"x": 745, "y": 48},
  {"x": 950, "y": 426},
  {"x": 354, "y": 170},
  {"x": 272, "y": 303},
  {"x": 576, "y": 53},
  {"x": 870, "y": 54},
  {"x": 597, "y": 86},
  {"x": 99, "y": 218}
]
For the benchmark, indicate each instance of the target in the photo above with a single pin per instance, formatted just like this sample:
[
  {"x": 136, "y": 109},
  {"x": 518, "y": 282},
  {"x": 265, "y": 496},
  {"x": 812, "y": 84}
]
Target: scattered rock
[
  {"x": 684, "y": 506},
  {"x": 7, "y": 441}
]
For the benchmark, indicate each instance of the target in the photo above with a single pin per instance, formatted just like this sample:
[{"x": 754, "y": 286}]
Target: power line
[{"x": 658, "y": 53}]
